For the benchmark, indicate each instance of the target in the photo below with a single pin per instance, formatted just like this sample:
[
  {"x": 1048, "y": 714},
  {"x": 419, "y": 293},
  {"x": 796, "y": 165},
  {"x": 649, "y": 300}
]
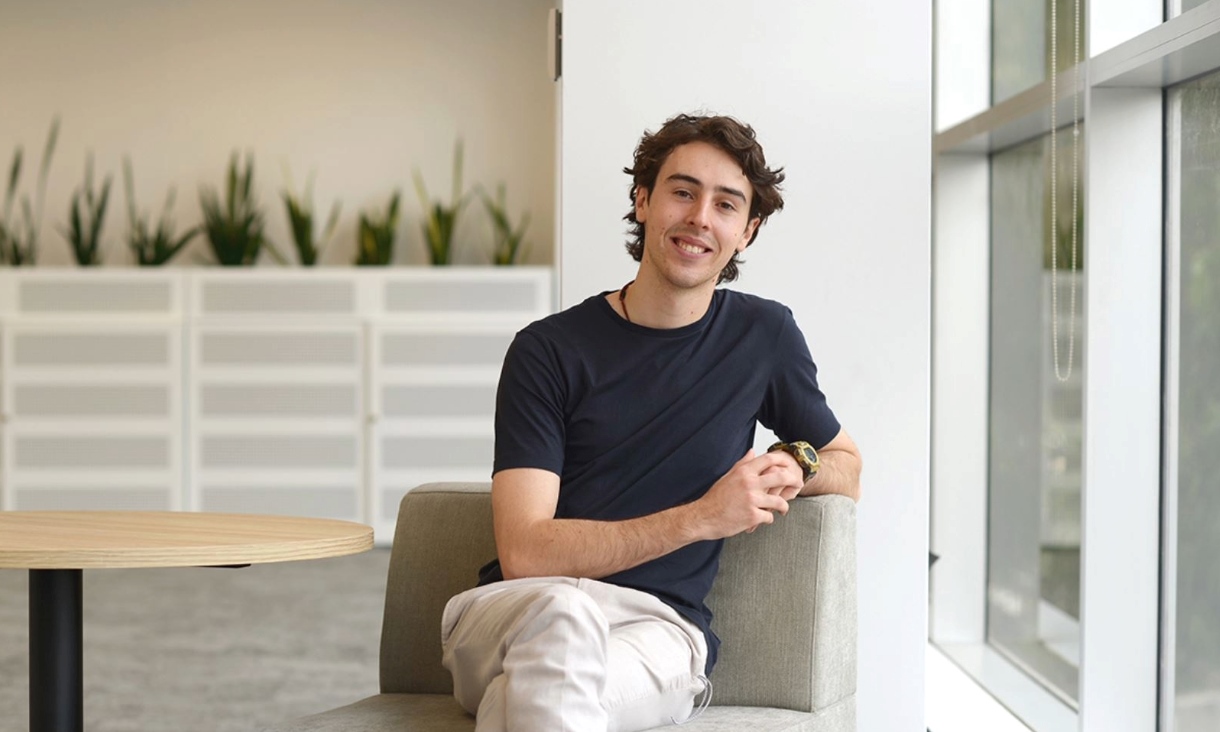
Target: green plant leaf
[
  {"x": 376, "y": 235},
  {"x": 49, "y": 149},
  {"x": 99, "y": 217},
  {"x": 458, "y": 155},
  {"x": 234, "y": 229},
  {"x": 331, "y": 222},
  {"x": 14, "y": 174},
  {"x": 276, "y": 254}
]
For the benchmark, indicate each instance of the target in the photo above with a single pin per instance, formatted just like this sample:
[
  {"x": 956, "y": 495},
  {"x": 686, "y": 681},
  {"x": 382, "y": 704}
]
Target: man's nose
[{"x": 701, "y": 213}]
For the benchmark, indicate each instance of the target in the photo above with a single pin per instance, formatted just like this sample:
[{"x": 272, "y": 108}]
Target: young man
[{"x": 623, "y": 460}]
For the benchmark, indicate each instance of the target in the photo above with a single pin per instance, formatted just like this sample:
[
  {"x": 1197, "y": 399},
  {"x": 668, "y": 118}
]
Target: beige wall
[{"x": 361, "y": 92}]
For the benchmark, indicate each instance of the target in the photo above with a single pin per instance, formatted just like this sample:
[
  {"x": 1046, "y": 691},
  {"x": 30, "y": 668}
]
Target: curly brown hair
[{"x": 726, "y": 133}]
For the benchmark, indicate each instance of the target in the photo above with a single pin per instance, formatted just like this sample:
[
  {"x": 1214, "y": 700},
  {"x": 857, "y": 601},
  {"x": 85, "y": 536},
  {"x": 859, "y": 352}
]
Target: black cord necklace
[{"x": 622, "y": 300}]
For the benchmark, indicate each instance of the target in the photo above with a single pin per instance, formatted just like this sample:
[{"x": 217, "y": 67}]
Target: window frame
[{"x": 1127, "y": 582}]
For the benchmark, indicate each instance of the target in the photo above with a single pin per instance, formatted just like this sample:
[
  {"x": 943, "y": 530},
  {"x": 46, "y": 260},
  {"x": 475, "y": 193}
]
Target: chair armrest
[
  {"x": 784, "y": 605},
  {"x": 444, "y": 535}
]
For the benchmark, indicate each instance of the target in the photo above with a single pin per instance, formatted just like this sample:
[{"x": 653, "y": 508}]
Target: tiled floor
[{"x": 211, "y": 650}]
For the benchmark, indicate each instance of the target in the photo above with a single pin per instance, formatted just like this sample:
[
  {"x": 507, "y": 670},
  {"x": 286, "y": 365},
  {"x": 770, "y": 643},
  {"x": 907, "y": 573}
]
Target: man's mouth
[{"x": 689, "y": 246}]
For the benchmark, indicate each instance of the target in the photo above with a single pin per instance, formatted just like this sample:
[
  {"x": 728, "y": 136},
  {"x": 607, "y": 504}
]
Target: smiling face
[{"x": 696, "y": 217}]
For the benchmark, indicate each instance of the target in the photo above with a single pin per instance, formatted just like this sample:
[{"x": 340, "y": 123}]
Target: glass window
[
  {"x": 1197, "y": 645},
  {"x": 1021, "y": 47},
  {"x": 1035, "y": 438}
]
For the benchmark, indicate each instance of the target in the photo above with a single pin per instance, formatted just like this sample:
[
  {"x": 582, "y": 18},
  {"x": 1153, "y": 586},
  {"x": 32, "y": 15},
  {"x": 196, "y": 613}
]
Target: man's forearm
[
  {"x": 532, "y": 543},
  {"x": 596, "y": 549}
]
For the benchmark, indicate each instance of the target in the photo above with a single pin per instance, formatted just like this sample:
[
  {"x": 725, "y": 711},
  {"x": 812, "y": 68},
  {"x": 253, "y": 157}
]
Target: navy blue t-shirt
[{"x": 635, "y": 420}]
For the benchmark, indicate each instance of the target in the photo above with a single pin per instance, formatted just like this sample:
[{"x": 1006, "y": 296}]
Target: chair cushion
[
  {"x": 839, "y": 718},
  {"x": 441, "y": 713},
  {"x": 385, "y": 712}
]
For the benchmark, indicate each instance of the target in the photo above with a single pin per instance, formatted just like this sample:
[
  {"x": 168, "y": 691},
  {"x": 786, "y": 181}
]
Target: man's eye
[
  {"x": 728, "y": 206},
  {"x": 682, "y": 193}
]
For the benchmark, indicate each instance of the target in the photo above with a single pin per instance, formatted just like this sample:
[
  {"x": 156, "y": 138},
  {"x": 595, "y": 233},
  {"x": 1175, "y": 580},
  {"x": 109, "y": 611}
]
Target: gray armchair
[{"x": 784, "y": 605}]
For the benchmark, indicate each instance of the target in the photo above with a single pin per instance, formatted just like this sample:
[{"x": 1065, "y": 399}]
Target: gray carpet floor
[{"x": 210, "y": 650}]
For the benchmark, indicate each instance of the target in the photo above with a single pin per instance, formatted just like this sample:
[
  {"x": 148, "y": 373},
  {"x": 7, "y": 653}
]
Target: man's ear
[
  {"x": 748, "y": 234},
  {"x": 641, "y": 204}
]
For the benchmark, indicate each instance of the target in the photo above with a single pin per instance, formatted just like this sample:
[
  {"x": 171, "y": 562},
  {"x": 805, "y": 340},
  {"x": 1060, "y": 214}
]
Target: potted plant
[
  {"x": 375, "y": 240},
  {"x": 506, "y": 241},
  {"x": 19, "y": 243},
  {"x": 440, "y": 219},
  {"x": 152, "y": 248},
  {"x": 234, "y": 228},
  {"x": 84, "y": 230},
  {"x": 300, "y": 220}
]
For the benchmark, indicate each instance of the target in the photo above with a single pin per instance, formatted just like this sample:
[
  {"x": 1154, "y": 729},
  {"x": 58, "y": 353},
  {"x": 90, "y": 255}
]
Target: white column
[{"x": 840, "y": 94}]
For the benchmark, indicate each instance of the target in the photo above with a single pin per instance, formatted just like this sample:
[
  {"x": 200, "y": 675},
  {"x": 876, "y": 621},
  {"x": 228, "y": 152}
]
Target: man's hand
[{"x": 748, "y": 495}]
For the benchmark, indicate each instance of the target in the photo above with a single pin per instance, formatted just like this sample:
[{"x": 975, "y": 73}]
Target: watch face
[{"x": 805, "y": 454}]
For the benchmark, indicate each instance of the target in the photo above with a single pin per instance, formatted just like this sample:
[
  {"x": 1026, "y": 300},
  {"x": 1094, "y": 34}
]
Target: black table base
[{"x": 56, "y": 668}]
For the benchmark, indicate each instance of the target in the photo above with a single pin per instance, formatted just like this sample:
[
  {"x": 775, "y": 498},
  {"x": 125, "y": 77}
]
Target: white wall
[
  {"x": 359, "y": 91},
  {"x": 840, "y": 94}
]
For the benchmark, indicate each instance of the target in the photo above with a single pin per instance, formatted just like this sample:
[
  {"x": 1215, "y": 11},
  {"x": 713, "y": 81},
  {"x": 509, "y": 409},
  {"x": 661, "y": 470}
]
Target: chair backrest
[{"x": 784, "y": 601}]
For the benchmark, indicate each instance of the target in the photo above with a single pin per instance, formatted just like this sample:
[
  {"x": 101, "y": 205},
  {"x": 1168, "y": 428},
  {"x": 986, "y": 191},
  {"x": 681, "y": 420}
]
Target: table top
[{"x": 97, "y": 539}]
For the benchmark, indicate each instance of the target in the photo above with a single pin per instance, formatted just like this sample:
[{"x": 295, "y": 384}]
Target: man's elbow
[
  {"x": 510, "y": 569},
  {"x": 518, "y": 564},
  {"x": 858, "y": 468}
]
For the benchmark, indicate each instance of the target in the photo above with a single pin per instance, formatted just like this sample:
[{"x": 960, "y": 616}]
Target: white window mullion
[
  {"x": 961, "y": 199},
  {"x": 1112, "y": 22},
  {"x": 961, "y": 258},
  {"x": 1122, "y": 410},
  {"x": 962, "y": 86},
  {"x": 1172, "y": 362}
]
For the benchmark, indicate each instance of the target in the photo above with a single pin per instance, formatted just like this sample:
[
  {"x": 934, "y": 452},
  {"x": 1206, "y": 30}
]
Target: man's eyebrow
[{"x": 719, "y": 189}]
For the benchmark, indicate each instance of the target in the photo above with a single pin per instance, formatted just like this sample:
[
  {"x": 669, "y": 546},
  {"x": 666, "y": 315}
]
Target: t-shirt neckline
[{"x": 679, "y": 332}]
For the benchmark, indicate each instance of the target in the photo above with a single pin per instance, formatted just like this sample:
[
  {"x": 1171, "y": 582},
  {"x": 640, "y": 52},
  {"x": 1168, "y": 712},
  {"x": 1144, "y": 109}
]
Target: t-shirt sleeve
[
  {"x": 529, "y": 407},
  {"x": 794, "y": 408}
]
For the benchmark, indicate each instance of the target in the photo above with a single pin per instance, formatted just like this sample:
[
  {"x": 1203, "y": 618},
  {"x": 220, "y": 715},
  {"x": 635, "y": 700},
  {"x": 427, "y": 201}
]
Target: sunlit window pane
[
  {"x": 1033, "y": 594},
  {"x": 1021, "y": 46},
  {"x": 1197, "y": 665}
]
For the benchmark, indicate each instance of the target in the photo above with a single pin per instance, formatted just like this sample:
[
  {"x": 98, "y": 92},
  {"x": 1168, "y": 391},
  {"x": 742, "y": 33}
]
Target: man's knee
[
  {"x": 493, "y": 619},
  {"x": 564, "y": 610},
  {"x": 523, "y": 626}
]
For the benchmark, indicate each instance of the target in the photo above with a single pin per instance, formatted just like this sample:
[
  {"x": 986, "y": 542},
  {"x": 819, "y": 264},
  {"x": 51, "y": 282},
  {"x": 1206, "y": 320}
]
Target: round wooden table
[{"x": 55, "y": 546}]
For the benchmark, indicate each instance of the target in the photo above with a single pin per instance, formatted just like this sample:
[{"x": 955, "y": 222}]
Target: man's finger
[
  {"x": 772, "y": 502},
  {"x": 745, "y": 458},
  {"x": 780, "y": 478},
  {"x": 777, "y": 458}
]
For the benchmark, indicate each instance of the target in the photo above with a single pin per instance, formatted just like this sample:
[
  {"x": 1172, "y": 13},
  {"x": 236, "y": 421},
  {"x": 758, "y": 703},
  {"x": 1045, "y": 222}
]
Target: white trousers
[{"x": 570, "y": 655}]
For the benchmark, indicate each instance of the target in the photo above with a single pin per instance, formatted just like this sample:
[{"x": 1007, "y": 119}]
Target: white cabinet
[
  {"x": 276, "y": 411},
  {"x": 324, "y": 393},
  {"x": 91, "y": 368},
  {"x": 435, "y": 359}
]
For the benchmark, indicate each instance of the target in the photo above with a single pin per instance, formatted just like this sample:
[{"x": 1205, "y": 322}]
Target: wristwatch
[{"x": 803, "y": 452}]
